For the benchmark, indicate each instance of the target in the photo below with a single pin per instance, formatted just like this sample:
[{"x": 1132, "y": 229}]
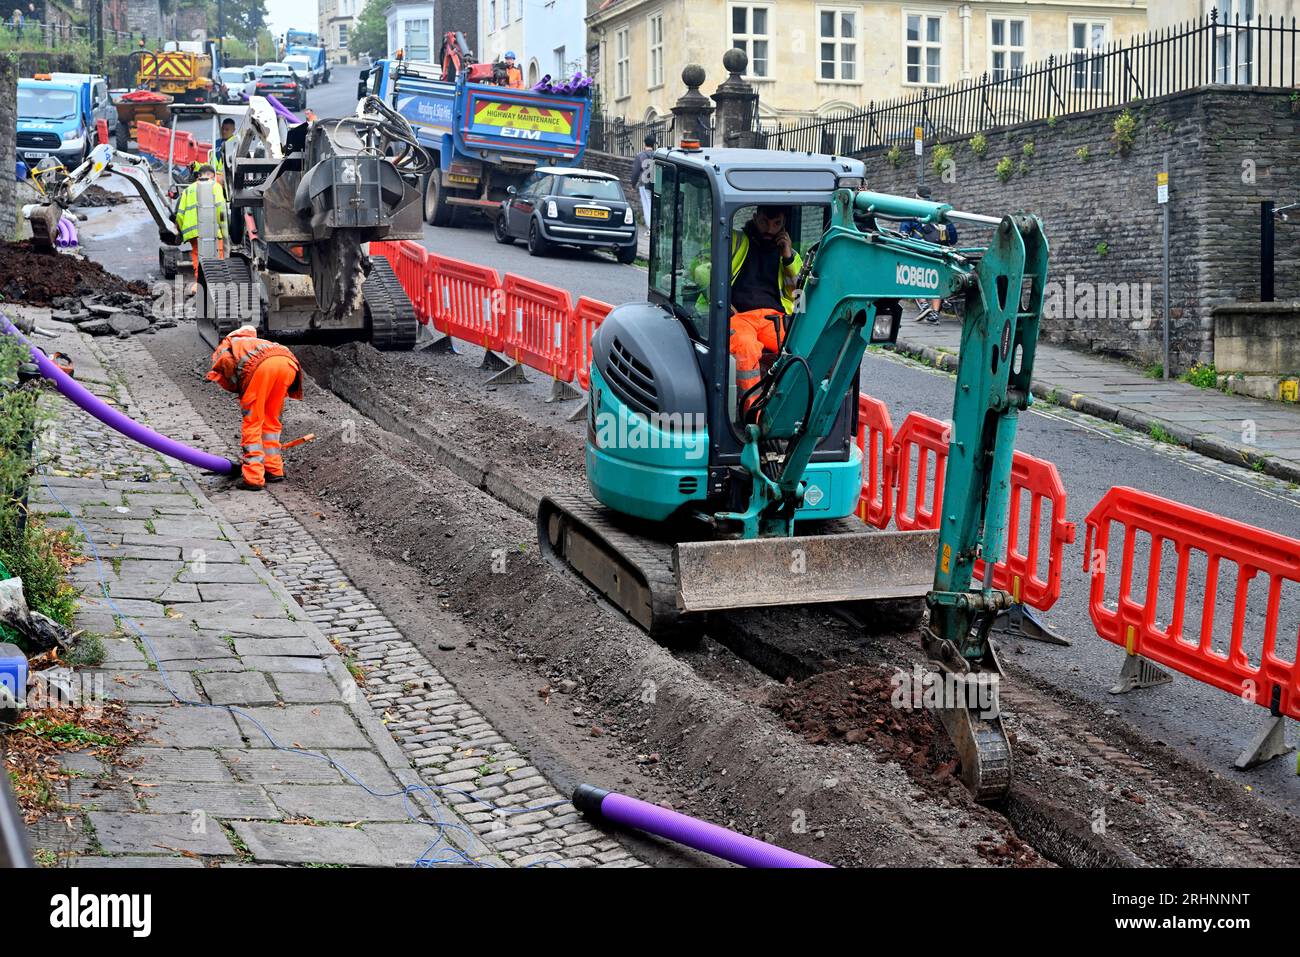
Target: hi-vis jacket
[
  {"x": 739, "y": 252},
  {"x": 238, "y": 356},
  {"x": 187, "y": 210}
]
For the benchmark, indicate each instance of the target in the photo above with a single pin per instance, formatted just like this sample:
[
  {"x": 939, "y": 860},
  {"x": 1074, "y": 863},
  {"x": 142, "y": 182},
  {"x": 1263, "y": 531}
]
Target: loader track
[
  {"x": 392, "y": 321},
  {"x": 223, "y": 298}
]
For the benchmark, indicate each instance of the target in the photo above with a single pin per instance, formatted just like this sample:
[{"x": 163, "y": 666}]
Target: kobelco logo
[{"x": 917, "y": 276}]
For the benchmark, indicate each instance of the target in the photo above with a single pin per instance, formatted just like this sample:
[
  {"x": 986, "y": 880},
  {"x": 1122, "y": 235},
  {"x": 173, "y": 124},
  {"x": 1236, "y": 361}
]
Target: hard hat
[{"x": 510, "y": 55}]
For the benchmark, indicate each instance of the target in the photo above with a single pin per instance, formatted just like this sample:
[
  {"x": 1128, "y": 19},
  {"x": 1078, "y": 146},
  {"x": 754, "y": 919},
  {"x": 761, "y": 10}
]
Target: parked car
[
  {"x": 302, "y": 66},
  {"x": 280, "y": 79},
  {"x": 559, "y": 206},
  {"x": 234, "y": 81}
]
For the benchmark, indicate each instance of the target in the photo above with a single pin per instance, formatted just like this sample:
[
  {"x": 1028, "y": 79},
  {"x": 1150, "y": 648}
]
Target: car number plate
[{"x": 584, "y": 213}]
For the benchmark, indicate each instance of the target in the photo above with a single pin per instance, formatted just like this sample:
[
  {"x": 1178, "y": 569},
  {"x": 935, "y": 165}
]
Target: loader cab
[{"x": 703, "y": 203}]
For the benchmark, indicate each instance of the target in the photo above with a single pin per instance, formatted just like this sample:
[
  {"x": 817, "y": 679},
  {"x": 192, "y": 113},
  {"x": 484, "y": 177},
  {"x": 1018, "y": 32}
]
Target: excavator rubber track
[
  {"x": 612, "y": 556},
  {"x": 392, "y": 322},
  {"x": 223, "y": 297}
]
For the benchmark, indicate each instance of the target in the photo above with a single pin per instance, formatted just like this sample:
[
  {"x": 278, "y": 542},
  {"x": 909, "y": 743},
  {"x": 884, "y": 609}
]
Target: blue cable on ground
[{"x": 441, "y": 827}]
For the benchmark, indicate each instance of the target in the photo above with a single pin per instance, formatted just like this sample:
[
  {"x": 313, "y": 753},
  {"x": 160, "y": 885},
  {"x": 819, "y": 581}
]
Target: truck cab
[
  {"x": 55, "y": 118},
  {"x": 483, "y": 138}
]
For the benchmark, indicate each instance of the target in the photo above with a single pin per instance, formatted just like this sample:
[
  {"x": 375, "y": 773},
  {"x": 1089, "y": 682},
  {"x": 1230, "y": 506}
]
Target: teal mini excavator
[{"x": 705, "y": 498}]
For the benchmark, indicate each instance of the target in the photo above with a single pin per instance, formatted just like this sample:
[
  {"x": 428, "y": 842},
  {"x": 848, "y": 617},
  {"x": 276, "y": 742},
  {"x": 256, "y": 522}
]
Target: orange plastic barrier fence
[
  {"x": 1018, "y": 573},
  {"x": 1271, "y": 680},
  {"x": 537, "y": 328},
  {"x": 185, "y": 151},
  {"x": 929, "y": 437},
  {"x": 466, "y": 301},
  {"x": 875, "y": 441},
  {"x": 411, "y": 264},
  {"x": 146, "y": 137},
  {"x": 588, "y": 314}
]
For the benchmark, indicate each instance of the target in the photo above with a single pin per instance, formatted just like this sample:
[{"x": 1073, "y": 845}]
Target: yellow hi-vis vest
[
  {"x": 187, "y": 210},
  {"x": 703, "y": 269},
  {"x": 740, "y": 249}
]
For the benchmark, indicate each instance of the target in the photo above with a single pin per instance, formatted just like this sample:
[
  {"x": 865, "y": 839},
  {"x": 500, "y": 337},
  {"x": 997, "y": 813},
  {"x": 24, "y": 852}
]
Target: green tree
[{"x": 370, "y": 32}]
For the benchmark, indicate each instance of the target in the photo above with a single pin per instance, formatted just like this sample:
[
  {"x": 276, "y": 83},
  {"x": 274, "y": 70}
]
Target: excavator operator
[{"x": 764, "y": 267}]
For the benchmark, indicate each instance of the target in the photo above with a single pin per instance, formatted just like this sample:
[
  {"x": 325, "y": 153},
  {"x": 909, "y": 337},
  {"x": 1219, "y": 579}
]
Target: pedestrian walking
[
  {"x": 941, "y": 234},
  {"x": 643, "y": 176}
]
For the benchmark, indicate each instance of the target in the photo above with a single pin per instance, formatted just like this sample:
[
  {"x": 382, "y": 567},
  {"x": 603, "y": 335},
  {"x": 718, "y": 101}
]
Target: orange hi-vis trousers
[
  {"x": 752, "y": 334},
  {"x": 260, "y": 404}
]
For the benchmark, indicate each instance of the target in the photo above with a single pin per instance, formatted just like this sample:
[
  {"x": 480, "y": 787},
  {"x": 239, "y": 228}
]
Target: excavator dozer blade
[{"x": 804, "y": 569}]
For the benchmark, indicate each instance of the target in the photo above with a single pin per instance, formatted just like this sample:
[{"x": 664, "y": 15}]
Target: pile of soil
[
  {"x": 37, "y": 278},
  {"x": 855, "y": 706},
  {"x": 96, "y": 196}
]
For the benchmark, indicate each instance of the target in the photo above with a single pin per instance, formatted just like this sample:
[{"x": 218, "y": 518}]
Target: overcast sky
[{"x": 284, "y": 15}]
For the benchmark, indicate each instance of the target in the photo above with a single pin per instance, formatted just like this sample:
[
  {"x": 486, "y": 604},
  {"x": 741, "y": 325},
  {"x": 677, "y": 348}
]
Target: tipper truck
[{"x": 482, "y": 138}]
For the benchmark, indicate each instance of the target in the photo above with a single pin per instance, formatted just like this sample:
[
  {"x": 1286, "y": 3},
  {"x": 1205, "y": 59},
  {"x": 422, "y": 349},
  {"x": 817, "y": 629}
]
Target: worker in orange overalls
[
  {"x": 262, "y": 373},
  {"x": 514, "y": 75},
  {"x": 764, "y": 268}
]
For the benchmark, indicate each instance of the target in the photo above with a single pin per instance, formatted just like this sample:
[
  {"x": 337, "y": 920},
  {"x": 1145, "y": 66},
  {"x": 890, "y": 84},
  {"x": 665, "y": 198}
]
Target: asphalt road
[{"x": 1090, "y": 455}]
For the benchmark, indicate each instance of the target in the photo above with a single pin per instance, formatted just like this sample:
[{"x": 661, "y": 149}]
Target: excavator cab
[
  {"x": 703, "y": 202},
  {"x": 679, "y": 452}
]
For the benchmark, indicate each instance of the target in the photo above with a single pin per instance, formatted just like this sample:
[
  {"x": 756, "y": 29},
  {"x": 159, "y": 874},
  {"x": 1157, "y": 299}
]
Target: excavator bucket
[
  {"x": 45, "y": 224},
  {"x": 804, "y": 570}
]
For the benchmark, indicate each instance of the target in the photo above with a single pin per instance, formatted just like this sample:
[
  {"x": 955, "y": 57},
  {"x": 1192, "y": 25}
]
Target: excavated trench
[{"x": 780, "y": 724}]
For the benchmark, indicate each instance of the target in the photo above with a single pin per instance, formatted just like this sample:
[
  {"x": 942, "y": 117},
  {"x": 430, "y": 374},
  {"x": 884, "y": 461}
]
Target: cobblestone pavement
[{"x": 240, "y": 611}]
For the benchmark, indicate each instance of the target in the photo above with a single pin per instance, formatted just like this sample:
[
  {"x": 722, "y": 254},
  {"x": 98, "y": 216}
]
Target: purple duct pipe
[
  {"x": 89, "y": 402},
  {"x": 285, "y": 113},
  {"x": 701, "y": 835},
  {"x": 67, "y": 237}
]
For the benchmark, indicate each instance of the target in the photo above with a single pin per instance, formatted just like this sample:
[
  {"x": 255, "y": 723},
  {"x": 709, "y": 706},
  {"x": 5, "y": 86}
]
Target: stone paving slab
[
  {"x": 239, "y": 687},
  {"x": 246, "y": 641},
  {"x": 150, "y": 765},
  {"x": 335, "y": 802},
  {"x": 145, "y": 686},
  {"x": 267, "y": 766},
  {"x": 298, "y": 686},
  {"x": 133, "y": 833},
  {"x": 182, "y": 727},
  {"x": 303, "y": 726},
  {"x": 218, "y": 800},
  {"x": 309, "y": 844},
  {"x": 130, "y": 860}
]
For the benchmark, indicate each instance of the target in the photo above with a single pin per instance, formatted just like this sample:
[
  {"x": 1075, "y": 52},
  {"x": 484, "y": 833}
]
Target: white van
[
  {"x": 101, "y": 104},
  {"x": 302, "y": 66}
]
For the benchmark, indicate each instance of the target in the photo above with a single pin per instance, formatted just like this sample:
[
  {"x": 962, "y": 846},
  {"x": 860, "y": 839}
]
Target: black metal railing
[
  {"x": 1259, "y": 53},
  {"x": 30, "y": 35},
  {"x": 617, "y": 136}
]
